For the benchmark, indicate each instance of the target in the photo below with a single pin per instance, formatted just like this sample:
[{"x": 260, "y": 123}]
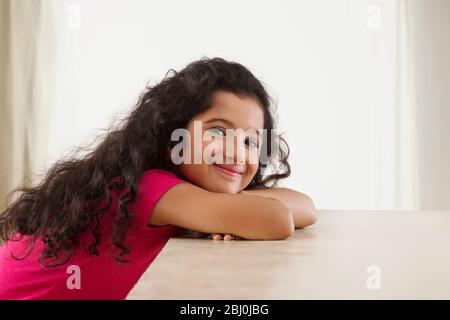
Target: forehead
[{"x": 244, "y": 112}]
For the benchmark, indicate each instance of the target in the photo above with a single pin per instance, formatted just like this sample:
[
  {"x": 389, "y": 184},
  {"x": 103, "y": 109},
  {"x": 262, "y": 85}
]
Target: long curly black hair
[{"x": 64, "y": 204}]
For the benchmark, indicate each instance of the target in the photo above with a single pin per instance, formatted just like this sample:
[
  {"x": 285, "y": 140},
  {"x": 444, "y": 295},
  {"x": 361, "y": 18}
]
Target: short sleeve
[{"x": 152, "y": 185}]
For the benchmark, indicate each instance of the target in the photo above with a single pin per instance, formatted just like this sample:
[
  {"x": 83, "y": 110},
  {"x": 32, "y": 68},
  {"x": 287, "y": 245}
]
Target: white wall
[{"x": 330, "y": 64}]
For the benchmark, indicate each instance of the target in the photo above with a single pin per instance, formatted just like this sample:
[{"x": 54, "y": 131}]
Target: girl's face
[{"x": 225, "y": 169}]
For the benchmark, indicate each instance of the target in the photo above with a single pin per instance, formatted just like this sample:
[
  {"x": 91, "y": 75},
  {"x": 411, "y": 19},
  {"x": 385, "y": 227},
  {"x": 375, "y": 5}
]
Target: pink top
[{"x": 93, "y": 277}]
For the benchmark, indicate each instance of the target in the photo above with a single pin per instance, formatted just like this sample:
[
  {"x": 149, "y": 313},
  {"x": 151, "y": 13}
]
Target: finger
[
  {"x": 228, "y": 237},
  {"x": 217, "y": 237}
]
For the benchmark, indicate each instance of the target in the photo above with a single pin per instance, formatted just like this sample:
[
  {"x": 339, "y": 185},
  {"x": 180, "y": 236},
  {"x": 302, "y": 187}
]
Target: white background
[{"x": 332, "y": 65}]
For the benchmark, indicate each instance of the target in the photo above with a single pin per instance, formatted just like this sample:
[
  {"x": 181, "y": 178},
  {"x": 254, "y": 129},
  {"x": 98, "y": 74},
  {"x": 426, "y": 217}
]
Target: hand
[
  {"x": 226, "y": 237},
  {"x": 196, "y": 234}
]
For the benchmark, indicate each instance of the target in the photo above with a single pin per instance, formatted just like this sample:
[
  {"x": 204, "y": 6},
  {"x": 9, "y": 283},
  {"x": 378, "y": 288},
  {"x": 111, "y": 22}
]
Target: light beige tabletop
[{"x": 345, "y": 255}]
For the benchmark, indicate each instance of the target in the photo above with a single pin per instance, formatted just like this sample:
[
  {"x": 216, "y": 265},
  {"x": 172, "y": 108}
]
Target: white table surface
[{"x": 330, "y": 260}]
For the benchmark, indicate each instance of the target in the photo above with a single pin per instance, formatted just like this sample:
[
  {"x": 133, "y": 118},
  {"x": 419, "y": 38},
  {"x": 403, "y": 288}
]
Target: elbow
[
  {"x": 312, "y": 217},
  {"x": 274, "y": 221},
  {"x": 288, "y": 226},
  {"x": 308, "y": 221},
  {"x": 313, "y": 213},
  {"x": 283, "y": 227},
  {"x": 286, "y": 232},
  {"x": 309, "y": 214},
  {"x": 281, "y": 233}
]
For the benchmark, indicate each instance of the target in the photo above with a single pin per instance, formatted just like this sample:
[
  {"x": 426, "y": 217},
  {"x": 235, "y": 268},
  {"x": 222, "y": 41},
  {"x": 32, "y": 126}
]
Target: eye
[
  {"x": 251, "y": 143},
  {"x": 216, "y": 131}
]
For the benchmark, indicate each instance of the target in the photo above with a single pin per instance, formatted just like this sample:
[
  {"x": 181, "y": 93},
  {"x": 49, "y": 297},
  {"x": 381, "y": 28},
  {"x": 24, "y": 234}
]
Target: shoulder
[
  {"x": 159, "y": 177},
  {"x": 152, "y": 185}
]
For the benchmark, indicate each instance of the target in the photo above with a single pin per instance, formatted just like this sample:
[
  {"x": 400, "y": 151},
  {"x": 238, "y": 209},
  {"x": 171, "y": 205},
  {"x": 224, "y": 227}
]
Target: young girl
[{"x": 95, "y": 223}]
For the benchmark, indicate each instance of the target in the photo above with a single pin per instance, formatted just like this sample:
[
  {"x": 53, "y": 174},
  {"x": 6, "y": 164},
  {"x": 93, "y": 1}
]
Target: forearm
[{"x": 301, "y": 206}]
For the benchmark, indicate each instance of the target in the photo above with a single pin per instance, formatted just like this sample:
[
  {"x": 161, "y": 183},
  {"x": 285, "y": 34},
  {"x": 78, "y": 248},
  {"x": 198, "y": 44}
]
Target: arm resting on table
[
  {"x": 247, "y": 216},
  {"x": 300, "y": 205}
]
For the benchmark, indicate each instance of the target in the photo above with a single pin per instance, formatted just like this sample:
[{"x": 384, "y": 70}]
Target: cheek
[
  {"x": 204, "y": 149},
  {"x": 190, "y": 171},
  {"x": 252, "y": 169},
  {"x": 195, "y": 173}
]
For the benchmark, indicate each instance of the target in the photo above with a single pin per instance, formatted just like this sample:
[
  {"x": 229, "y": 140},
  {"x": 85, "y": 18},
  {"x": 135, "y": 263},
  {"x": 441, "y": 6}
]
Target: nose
[{"x": 235, "y": 151}]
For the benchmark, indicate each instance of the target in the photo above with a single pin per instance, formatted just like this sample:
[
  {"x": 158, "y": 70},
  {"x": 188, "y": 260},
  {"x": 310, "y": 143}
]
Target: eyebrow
[{"x": 228, "y": 122}]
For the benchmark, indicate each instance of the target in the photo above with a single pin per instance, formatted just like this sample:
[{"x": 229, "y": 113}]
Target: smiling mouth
[{"x": 228, "y": 170}]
